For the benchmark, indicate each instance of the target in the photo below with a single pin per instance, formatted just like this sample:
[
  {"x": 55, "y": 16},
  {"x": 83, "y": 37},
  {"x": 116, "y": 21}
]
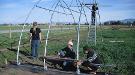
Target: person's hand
[
  {"x": 79, "y": 62},
  {"x": 30, "y": 41},
  {"x": 40, "y": 41}
]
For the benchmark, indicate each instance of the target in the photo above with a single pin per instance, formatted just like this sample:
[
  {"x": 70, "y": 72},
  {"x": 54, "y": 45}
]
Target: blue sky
[{"x": 15, "y": 11}]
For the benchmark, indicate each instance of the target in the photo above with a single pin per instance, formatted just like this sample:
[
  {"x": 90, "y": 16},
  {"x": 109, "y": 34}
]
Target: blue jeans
[{"x": 34, "y": 48}]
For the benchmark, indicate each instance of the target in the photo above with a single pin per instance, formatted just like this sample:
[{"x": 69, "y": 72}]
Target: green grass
[
  {"x": 122, "y": 54},
  {"x": 19, "y": 27}
]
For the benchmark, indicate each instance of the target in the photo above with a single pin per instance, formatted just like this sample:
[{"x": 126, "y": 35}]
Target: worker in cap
[
  {"x": 70, "y": 44},
  {"x": 67, "y": 53}
]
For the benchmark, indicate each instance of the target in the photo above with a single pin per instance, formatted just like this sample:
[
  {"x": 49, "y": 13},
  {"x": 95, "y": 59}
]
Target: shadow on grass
[{"x": 21, "y": 52}]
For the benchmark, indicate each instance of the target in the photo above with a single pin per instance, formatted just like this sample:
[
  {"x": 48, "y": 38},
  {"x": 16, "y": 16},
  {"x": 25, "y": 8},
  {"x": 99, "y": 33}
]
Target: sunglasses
[{"x": 70, "y": 45}]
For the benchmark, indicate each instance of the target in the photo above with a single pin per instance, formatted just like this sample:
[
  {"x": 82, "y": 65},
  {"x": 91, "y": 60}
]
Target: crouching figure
[
  {"x": 91, "y": 61},
  {"x": 68, "y": 53}
]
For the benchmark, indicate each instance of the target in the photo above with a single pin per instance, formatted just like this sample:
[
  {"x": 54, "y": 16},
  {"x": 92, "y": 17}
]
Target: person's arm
[
  {"x": 61, "y": 54},
  {"x": 74, "y": 54},
  {"x": 40, "y": 37},
  {"x": 92, "y": 57},
  {"x": 30, "y": 38}
]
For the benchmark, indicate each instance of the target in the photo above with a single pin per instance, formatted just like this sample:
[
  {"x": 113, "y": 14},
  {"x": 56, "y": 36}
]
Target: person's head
[
  {"x": 86, "y": 49},
  {"x": 35, "y": 24},
  {"x": 70, "y": 44}
]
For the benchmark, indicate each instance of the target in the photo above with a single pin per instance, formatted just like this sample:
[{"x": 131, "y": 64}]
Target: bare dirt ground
[
  {"x": 29, "y": 70},
  {"x": 18, "y": 72},
  {"x": 23, "y": 72}
]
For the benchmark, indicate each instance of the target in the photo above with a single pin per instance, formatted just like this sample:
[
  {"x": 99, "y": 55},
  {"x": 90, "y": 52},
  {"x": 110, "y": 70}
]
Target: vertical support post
[
  {"x": 10, "y": 31},
  {"x": 17, "y": 58},
  {"x": 10, "y": 36},
  {"x": 95, "y": 41},
  {"x": 78, "y": 39},
  {"x": 46, "y": 43}
]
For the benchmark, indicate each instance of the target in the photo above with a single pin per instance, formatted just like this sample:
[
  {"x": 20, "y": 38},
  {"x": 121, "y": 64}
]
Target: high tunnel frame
[{"x": 81, "y": 12}]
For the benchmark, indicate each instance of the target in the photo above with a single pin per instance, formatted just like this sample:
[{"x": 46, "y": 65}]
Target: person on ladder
[{"x": 35, "y": 39}]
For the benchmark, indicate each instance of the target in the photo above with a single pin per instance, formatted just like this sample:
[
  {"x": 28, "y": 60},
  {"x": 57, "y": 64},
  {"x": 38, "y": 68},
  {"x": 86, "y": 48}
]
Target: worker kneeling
[
  {"x": 68, "y": 53},
  {"x": 92, "y": 60}
]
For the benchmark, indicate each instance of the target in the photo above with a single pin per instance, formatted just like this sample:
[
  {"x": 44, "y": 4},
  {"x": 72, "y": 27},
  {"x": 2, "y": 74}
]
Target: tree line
[{"x": 118, "y": 23}]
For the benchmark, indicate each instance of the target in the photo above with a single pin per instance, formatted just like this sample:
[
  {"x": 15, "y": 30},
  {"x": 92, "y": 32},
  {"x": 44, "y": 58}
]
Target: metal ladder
[
  {"x": 92, "y": 35},
  {"x": 92, "y": 28}
]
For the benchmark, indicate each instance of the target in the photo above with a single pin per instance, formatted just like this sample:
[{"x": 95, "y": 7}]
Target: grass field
[
  {"x": 18, "y": 27},
  {"x": 122, "y": 54}
]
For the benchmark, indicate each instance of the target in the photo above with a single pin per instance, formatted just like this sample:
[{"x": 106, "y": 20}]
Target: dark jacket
[
  {"x": 91, "y": 60},
  {"x": 92, "y": 57},
  {"x": 68, "y": 53}
]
